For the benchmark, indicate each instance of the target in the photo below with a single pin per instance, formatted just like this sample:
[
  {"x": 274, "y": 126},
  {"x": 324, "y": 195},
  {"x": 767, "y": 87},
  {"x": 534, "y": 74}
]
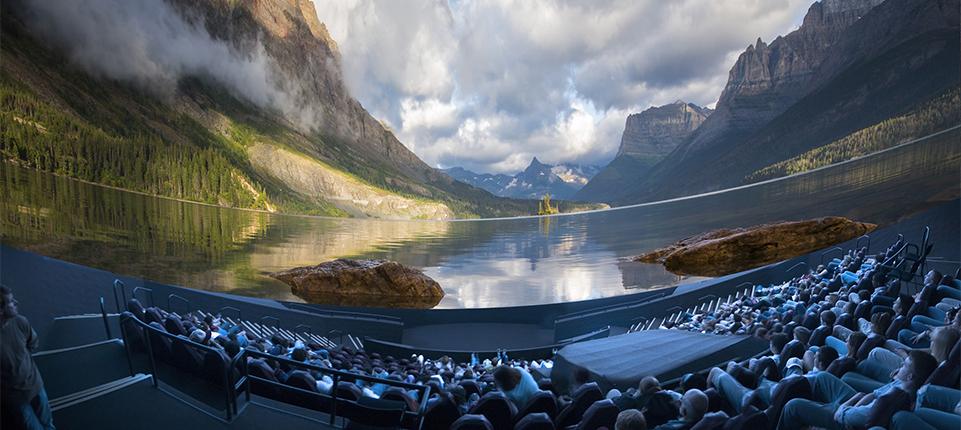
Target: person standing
[{"x": 24, "y": 400}]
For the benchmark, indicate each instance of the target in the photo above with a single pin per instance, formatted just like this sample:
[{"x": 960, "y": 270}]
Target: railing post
[{"x": 106, "y": 324}]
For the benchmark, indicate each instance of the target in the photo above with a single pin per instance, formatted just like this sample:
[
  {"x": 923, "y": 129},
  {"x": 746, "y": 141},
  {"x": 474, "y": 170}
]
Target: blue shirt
[
  {"x": 524, "y": 389},
  {"x": 857, "y": 416}
]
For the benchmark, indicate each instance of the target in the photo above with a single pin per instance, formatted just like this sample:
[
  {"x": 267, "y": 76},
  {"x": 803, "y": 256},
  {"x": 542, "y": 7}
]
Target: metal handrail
[
  {"x": 106, "y": 324},
  {"x": 337, "y": 376},
  {"x": 299, "y": 329},
  {"x": 180, "y": 298},
  {"x": 263, "y": 320},
  {"x": 133, "y": 294},
  {"x": 119, "y": 285},
  {"x": 147, "y": 330},
  {"x": 825, "y": 253},
  {"x": 789, "y": 269},
  {"x": 231, "y": 308},
  {"x": 867, "y": 248}
]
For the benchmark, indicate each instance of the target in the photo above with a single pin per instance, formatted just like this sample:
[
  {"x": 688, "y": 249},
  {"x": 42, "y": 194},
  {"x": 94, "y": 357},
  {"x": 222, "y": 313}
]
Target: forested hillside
[{"x": 938, "y": 114}]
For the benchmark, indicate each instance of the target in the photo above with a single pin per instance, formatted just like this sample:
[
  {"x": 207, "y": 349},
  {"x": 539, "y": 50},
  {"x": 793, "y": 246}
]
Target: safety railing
[
  {"x": 151, "y": 337},
  {"x": 824, "y": 254},
  {"x": 147, "y": 338},
  {"x": 331, "y": 402}
]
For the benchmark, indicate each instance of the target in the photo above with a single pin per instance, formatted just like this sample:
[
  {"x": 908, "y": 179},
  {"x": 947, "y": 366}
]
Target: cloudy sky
[{"x": 489, "y": 84}]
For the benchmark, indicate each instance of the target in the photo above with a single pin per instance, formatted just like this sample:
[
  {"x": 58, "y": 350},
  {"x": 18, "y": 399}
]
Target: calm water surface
[{"x": 480, "y": 263}]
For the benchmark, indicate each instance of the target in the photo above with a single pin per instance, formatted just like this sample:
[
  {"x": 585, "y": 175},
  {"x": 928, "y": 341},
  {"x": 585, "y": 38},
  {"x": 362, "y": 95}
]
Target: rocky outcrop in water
[
  {"x": 725, "y": 251},
  {"x": 380, "y": 283}
]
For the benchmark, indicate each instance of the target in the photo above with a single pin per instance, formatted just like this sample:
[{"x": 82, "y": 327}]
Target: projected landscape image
[{"x": 415, "y": 190}]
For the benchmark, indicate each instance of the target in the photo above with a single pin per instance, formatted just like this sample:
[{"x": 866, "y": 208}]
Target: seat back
[
  {"x": 371, "y": 412},
  {"x": 185, "y": 356},
  {"x": 441, "y": 413},
  {"x": 583, "y": 398},
  {"x": 214, "y": 366},
  {"x": 174, "y": 326},
  {"x": 542, "y": 401},
  {"x": 348, "y": 391},
  {"x": 535, "y": 421},
  {"x": 471, "y": 387},
  {"x": 602, "y": 413},
  {"x": 398, "y": 394},
  {"x": 159, "y": 344},
  {"x": 132, "y": 331},
  {"x": 472, "y": 422},
  {"x": 497, "y": 408}
]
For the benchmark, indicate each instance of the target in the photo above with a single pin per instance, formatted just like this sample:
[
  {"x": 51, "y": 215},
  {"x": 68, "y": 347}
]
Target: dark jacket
[{"x": 21, "y": 379}]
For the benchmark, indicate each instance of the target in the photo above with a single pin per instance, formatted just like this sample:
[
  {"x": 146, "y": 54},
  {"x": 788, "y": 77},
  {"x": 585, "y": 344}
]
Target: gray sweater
[{"x": 20, "y": 380}]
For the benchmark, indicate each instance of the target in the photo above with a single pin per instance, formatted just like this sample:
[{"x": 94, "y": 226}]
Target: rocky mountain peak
[
  {"x": 658, "y": 130},
  {"x": 767, "y": 78},
  {"x": 280, "y": 17}
]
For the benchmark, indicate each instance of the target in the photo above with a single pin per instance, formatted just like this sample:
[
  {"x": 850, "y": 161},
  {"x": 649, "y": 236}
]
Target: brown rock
[
  {"x": 726, "y": 251},
  {"x": 380, "y": 283}
]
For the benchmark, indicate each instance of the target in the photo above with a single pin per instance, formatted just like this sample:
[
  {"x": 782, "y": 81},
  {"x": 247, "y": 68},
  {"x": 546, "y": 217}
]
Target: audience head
[
  {"x": 828, "y": 318},
  {"x": 825, "y": 356},
  {"x": 506, "y": 377},
  {"x": 693, "y": 380},
  {"x": 649, "y": 385},
  {"x": 802, "y": 334},
  {"x": 693, "y": 405},
  {"x": 630, "y": 419},
  {"x": 942, "y": 340},
  {"x": 855, "y": 339},
  {"x": 660, "y": 409},
  {"x": 298, "y": 354},
  {"x": 903, "y": 304},
  {"x": 880, "y": 322},
  {"x": 916, "y": 369},
  {"x": 778, "y": 340},
  {"x": 9, "y": 304},
  {"x": 933, "y": 277}
]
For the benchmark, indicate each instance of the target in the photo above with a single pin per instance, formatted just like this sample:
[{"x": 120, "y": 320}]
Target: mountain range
[
  {"x": 231, "y": 103},
  {"x": 648, "y": 137},
  {"x": 851, "y": 65},
  {"x": 561, "y": 181}
]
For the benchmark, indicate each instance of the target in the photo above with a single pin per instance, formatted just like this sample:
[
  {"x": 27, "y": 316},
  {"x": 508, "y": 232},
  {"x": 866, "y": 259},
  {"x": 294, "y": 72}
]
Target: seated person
[
  {"x": 693, "y": 407},
  {"x": 828, "y": 318},
  {"x": 877, "y": 408},
  {"x": 919, "y": 335},
  {"x": 516, "y": 383},
  {"x": 849, "y": 361},
  {"x": 630, "y": 419},
  {"x": 879, "y": 325},
  {"x": 830, "y": 394},
  {"x": 637, "y": 399}
]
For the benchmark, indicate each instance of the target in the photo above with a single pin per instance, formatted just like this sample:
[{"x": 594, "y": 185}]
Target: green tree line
[
  {"x": 935, "y": 115},
  {"x": 40, "y": 136}
]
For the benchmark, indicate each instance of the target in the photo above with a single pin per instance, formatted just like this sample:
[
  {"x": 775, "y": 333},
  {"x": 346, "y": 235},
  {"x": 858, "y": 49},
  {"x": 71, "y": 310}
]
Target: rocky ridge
[{"x": 648, "y": 137}]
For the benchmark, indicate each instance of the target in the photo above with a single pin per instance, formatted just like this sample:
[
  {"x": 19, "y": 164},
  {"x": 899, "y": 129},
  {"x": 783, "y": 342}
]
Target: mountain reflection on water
[{"x": 479, "y": 263}]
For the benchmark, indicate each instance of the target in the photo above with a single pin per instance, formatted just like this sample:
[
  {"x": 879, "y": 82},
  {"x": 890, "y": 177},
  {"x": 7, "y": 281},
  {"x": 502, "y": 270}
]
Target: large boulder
[
  {"x": 726, "y": 251},
  {"x": 348, "y": 282}
]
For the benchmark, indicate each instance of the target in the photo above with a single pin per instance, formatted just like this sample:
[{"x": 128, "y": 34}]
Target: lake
[{"x": 479, "y": 263}]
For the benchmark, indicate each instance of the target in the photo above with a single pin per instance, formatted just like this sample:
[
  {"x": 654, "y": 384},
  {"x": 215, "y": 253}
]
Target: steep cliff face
[
  {"x": 648, "y": 137},
  {"x": 654, "y": 133},
  {"x": 307, "y": 63},
  {"x": 848, "y": 66},
  {"x": 767, "y": 78}
]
